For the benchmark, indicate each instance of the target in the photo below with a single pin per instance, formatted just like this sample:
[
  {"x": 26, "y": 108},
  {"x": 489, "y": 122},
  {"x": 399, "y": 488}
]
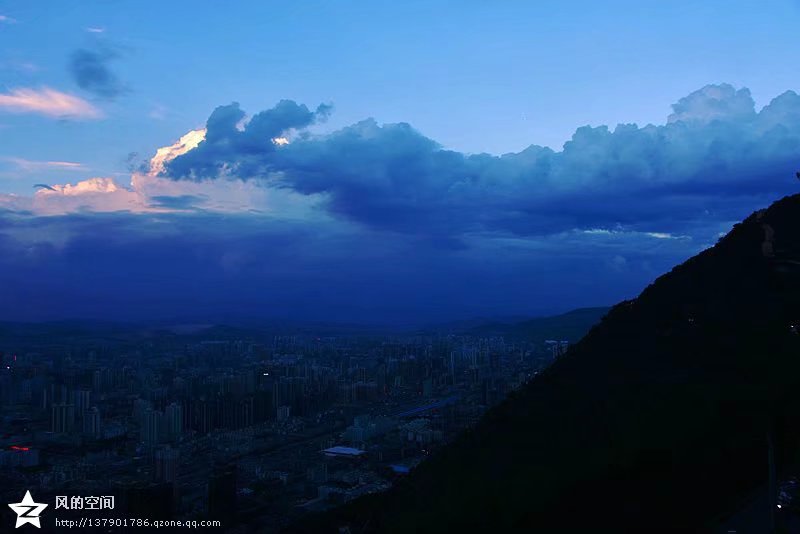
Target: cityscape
[
  {"x": 400, "y": 267},
  {"x": 252, "y": 428}
]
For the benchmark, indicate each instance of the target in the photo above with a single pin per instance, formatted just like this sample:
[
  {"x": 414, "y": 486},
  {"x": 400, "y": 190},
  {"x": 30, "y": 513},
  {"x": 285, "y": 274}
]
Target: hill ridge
[{"x": 657, "y": 420}]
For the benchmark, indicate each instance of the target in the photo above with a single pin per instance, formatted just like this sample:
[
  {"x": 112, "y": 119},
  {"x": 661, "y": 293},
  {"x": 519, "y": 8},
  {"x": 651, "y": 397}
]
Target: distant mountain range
[
  {"x": 569, "y": 326},
  {"x": 658, "y": 420}
]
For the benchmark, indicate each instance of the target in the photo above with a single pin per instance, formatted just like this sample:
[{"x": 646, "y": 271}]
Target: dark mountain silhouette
[{"x": 656, "y": 421}]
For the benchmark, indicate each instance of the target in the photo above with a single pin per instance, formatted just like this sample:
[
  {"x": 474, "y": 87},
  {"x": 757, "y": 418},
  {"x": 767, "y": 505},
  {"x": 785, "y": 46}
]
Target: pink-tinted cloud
[
  {"x": 93, "y": 194},
  {"x": 48, "y": 102},
  {"x": 149, "y": 192}
]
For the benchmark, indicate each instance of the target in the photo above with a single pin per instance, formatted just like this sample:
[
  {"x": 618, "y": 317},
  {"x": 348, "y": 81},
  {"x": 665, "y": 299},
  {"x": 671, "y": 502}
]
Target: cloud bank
[
  {"x": 196, "y": 265},
  {"x": 256, "y": 216},
  {"x": 707, "y": 163}
]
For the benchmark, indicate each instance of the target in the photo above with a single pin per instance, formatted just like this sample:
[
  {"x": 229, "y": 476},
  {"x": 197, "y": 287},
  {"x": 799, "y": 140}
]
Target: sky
[{"x": 379, "y": 162}]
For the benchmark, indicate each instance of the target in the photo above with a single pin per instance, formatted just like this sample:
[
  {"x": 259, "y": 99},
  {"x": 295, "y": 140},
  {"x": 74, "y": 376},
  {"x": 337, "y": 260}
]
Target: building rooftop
[{"x": 343, "y": 451}]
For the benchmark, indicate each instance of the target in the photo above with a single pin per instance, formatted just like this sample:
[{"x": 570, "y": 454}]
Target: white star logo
[{"x": 28, "y": 511}]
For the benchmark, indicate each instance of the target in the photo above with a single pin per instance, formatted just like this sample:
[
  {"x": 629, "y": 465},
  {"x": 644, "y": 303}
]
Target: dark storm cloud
[
  {"x": 247, "y": 148},
  {"x": 715, "y": 160},
  {"x": 218, "y": 268},
  {"x": 90, "y": 68}
]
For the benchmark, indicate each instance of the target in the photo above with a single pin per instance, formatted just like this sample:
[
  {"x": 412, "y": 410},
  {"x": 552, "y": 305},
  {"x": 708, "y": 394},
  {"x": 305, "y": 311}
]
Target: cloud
[
  {"x": 714, "y": 160},
  {"x": 93, "y": 194},
  {"x": 5, "y": 19},
  {"x": 714, "y": 102},
  {"x": 226, "y": 145},
  {"x": 147, "y": 192},
  {"x": 180, "y": 202},
  {"x": 27, "y": 165},
  {"x": 90, "y": 186},
  {"x": 91, "y": 29},
  {"x": 188, "y": 141},
  {"x": 90, "y": 70},
  {"x": 225, "y": 268},
  {"x": 48, "y": 102},
  {"x": 377, "y": 222}
]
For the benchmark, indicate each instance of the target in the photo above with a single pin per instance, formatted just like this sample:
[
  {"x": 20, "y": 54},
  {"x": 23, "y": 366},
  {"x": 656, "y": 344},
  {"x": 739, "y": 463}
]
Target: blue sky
[{"x": 387, "y": 143}]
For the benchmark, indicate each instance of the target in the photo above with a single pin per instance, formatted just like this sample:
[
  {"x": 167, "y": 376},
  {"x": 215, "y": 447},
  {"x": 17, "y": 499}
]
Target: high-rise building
[
  {"x": 284, "y": 412},
  {"x": 166, "y": 464},
  {"x": 63, "y": 418},
  {"x": 151, "y": 426},
  {"x": 82, "y": 399},
  {"x": 173, "y": 421},
  {"x": 91, "y": 422},
  {"x": 427, "y": 387}
]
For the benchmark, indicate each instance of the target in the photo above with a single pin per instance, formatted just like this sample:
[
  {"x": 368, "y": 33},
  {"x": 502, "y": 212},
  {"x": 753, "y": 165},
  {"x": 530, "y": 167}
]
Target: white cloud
[
  {"x": 93, "y": 194},
  {"x": 714, "y": 102},
  {"x": 48, "y": 102},
  {"x": 187, "y": 142},
  {"x": 90, "y": 186},
  {"x": 148, "y": 192},
  {"x": 664, "y": 235}
]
